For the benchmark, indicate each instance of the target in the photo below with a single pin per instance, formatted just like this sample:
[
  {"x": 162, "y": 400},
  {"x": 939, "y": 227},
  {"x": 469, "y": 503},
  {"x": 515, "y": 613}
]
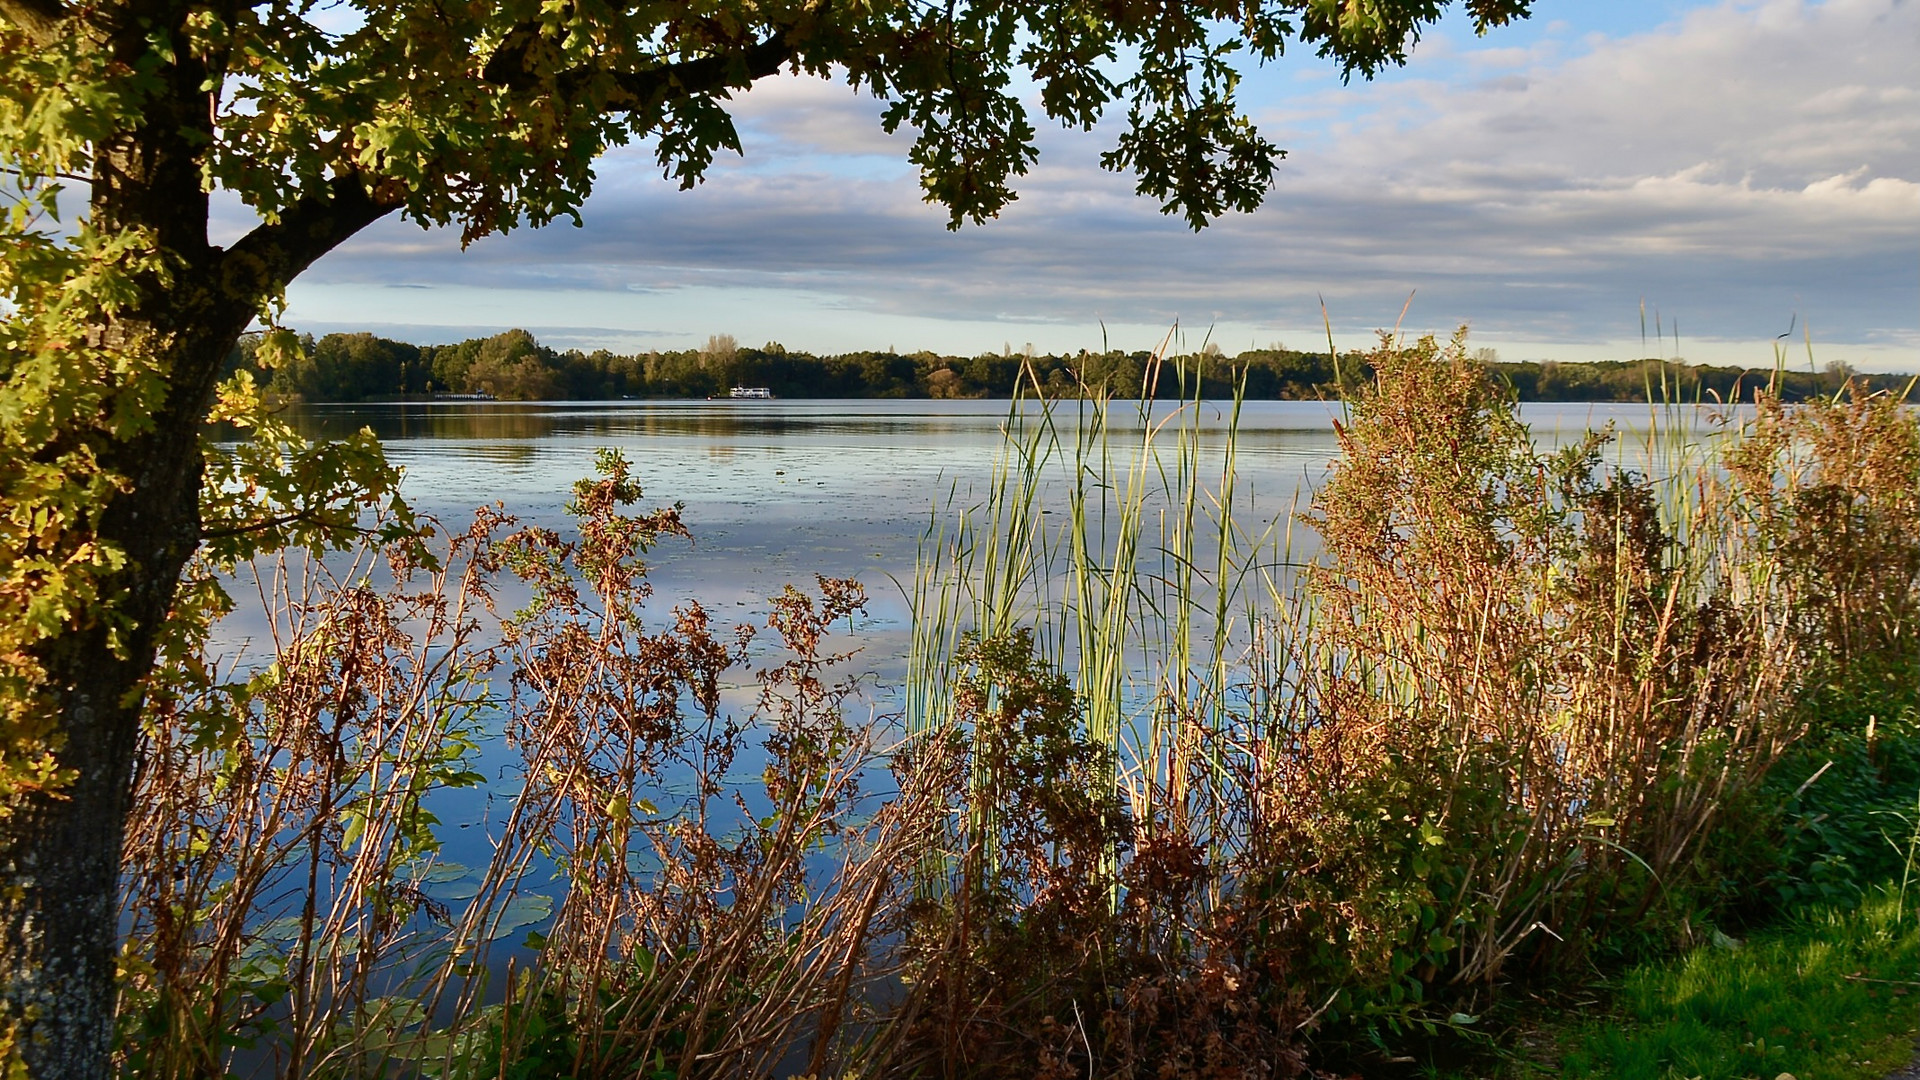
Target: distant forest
[{"x": 513, "y": 366}]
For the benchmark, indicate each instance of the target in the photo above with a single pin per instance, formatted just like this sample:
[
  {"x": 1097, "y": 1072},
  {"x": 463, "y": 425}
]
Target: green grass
[{"x": 1833, "y": 994}]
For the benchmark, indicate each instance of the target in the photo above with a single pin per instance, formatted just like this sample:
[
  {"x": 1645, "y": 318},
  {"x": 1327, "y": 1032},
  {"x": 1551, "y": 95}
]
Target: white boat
[{"x": 750, "y": 392}]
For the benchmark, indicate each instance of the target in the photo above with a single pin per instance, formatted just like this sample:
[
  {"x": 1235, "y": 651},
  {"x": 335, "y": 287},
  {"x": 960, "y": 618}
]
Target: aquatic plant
[{"x": 1170, "y": 796}]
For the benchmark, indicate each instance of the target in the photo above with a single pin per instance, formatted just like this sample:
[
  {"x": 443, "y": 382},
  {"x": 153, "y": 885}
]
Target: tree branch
[
  {"x": 512, "y": 65},
  {"x": 271, "y": 256},
  {"x": 648, "y": 90},
  {"x": 40, "y": 19},
  {"x": 308, "y": 516}
]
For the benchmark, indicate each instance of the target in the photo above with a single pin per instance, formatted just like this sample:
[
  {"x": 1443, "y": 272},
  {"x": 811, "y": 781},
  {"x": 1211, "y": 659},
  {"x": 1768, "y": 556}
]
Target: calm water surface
[
  {"x": 776, "y": 492},
  {"x": 779, "y": 491}
]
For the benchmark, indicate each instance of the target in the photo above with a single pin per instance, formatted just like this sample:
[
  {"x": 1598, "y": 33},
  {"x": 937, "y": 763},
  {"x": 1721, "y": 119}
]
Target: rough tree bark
[{"x": 59, "y": 859}]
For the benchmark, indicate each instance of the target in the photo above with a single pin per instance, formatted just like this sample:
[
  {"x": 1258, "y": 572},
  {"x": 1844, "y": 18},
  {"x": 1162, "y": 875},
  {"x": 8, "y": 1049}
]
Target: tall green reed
[
  {"x": 1536, "y": 675},
  {"x": 1167, "y": 803},
  {"x": 1134, "y": 587}
]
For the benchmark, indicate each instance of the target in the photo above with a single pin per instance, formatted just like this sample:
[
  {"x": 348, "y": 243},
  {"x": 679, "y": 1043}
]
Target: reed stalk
[{"x": 1166, "y": 795}]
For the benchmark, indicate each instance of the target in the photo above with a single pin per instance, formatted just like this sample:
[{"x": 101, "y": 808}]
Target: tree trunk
[
  {"x": 60, "y": 851},
  {"x": 58, "y": 909}
]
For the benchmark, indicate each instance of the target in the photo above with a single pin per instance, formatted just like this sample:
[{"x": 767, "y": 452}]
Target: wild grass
[
  {"x": 1164, "y": 800},
  {"x": 1828, "y": 996}
]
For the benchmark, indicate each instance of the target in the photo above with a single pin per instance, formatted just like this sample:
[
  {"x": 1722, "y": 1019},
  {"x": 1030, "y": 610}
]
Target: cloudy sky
[{"x": 1740, "y": 168}]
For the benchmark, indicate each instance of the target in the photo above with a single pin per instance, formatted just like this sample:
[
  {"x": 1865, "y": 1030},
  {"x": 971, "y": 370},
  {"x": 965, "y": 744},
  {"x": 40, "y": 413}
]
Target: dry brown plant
[{"x": 1494, "y": 729}]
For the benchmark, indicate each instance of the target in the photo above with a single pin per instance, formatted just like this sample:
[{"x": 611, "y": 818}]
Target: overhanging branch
[
  {"x": 645, "y": 91},
  {"x": 307, "y": 516},
  {"x": 516, "y": 62},
  {"x": 271, "y": 256}
]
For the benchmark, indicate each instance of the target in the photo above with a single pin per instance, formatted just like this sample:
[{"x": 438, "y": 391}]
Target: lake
[{"x": 778, "y": 491}]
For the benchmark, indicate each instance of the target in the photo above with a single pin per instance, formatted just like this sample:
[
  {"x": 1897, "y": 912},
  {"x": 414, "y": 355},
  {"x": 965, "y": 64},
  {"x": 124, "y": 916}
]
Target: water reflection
[
  {"x": 777, "y": 491},
  {"x": 801, "y": 478},
  {"x": 730, "y": 420}
]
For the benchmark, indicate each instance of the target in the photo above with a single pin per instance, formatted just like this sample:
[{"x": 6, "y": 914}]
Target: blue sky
[{"x": 1739, "y": 167}]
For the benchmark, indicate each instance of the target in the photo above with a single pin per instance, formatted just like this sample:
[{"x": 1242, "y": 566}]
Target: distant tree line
[{"x": 513, "y": 366}]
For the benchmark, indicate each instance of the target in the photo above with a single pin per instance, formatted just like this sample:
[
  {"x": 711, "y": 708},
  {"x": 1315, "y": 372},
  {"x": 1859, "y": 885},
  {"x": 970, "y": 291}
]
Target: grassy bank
[
  {"x": 1168, "y": 798},
  {"x": 1831, "y": 993},
  {"x": 1823, "y": 977}
]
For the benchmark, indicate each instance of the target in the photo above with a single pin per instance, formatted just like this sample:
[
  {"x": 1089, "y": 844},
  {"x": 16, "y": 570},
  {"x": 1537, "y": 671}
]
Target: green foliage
[
  {"x": 1678, "y": 381},
  {"x": 513, "y": 366},
  {"x": 273, "y": 490},
  {"x": 1043, "y": 813},
  {"x": 55, "y": 390},
  {"x": 1830, "y": 491},
  {"x": 537, "y": 1033},
  {"x": 353, "y": 367},
  {"x": 492, "y": 116},
  {"x": 1837, "y": 815}
]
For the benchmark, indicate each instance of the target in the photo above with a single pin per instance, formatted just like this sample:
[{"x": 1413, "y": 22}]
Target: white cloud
[
  {"x": 788, "y": 115},
  {"x": 1744, "y": 163}
]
